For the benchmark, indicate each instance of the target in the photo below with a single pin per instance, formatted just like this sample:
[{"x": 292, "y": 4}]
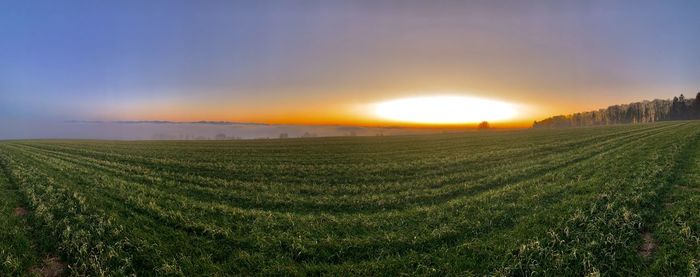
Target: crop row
[{"x": 545, "y": 201}]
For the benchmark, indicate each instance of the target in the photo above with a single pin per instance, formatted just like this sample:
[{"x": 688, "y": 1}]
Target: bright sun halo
[{"x": 444, "y": 110}]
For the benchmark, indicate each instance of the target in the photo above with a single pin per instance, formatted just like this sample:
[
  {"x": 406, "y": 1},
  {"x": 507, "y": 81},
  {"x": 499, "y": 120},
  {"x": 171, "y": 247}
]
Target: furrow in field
[
  {"x": 414, "y": 189},
  {"x": 606, "y": 230},
  {"x": 454, "y": 235},
  {"x": 671, "y": 245},
  {"x": 18, "y": 250},
  {"x": 89, "y": 240},
  {"x": 627, "y": 169},
  {"x": 210, "y": 195},
  {"x": 404, "y": 170}
]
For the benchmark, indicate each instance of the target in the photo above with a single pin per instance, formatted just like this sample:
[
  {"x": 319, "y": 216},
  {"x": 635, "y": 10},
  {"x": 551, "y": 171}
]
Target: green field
[{"x": 619, "y": 200}]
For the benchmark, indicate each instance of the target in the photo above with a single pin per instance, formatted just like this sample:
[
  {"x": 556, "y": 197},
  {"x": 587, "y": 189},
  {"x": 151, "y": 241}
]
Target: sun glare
[{"x": 444, "y": 110}]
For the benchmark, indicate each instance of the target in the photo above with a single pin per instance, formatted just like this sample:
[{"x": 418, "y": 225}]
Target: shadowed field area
[{"x": 618, "y": 200}]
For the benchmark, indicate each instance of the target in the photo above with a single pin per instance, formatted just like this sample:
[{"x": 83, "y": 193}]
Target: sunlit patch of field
[{"x": 550, "y": 202}]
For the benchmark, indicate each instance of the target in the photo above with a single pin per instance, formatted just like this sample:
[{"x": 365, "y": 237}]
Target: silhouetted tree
[
  {"x": 682, "y": 107},
  {"x": 639, "y": 112},
  {"x": 284, "y": 135},
  {"x": 696, "y": 107},
  {"x": 308, "y": 135},
  {"x": 675, "y": 108},
  {"x": 484, "y": 125}
]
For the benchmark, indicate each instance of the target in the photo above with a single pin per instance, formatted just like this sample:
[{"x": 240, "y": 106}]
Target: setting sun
[{"x": 444, "y": 110}]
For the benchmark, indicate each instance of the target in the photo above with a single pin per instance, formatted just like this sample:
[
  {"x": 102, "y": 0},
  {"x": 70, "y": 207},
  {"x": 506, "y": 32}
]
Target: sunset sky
[{"x": 331, "y": 62}]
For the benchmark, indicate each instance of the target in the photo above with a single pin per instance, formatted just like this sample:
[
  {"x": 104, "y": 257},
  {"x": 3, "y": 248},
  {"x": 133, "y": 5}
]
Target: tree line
[{"x": 678, "y": 108}]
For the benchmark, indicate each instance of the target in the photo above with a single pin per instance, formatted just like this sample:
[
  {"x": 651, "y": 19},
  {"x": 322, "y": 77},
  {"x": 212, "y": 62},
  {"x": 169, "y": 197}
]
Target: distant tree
[
  {"x": 683, "y": 107},
  {"x": 220, "y": 136},
  {"x": 484, "y": 125},
  {"x": 696, "y": 107},
  {"x": 675, "y": 108},
  {"x": 308, "y": 135},
  {"x": 284, "y": 135},
  {"x": 638, "y": 112}
]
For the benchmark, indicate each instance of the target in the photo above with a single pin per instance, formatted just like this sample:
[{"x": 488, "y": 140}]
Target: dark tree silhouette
[
  {"x": 696, "y": 107},
  {"x": 679, "y": 108},
  {"x": 682, "y": 108},
  {"x": 484, "y": 125},
  {"x": 675, "y": 108}
]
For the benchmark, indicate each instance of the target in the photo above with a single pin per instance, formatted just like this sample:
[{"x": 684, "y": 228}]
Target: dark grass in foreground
[{"x": 536, "y": 202}]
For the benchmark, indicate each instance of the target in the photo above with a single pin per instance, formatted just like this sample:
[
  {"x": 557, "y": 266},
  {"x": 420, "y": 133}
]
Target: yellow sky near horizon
[{"x": 357, "y": 111}]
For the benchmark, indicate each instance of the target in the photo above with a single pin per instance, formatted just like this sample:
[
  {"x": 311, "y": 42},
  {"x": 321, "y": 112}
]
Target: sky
[{"x": 329, "y": 62}]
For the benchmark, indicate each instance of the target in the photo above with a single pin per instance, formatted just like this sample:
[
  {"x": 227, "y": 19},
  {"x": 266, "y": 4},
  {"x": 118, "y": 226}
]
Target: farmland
[{"x": 620, "y": 200}]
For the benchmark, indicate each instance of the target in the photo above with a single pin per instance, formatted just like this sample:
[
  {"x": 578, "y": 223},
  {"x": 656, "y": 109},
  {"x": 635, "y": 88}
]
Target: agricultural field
[{"x": 617, "y": 200}]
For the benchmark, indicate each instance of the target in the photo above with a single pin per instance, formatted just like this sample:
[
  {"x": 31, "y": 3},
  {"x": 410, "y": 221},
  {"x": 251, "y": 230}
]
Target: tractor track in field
[
  {"x": 306, "y": 207},
  {"x": 673, "y": 181},
  {"x": 50, "y": 265},
  {"x": 573, "y": 207}
]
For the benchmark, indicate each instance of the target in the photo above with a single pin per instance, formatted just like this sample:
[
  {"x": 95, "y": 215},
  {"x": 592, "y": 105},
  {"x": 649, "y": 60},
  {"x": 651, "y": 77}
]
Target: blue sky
[{"x": 267, "y": 61}]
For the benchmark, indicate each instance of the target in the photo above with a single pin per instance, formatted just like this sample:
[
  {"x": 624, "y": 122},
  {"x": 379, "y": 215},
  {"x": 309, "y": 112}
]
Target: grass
[
  {"x": 536, "y": 202},
  {"x": 17, "y": 251}
]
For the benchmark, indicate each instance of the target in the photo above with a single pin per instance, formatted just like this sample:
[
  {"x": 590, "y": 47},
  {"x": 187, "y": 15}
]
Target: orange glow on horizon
[
  {"x": 318, "y": 119},
  {"x": 357, "y": 112}
]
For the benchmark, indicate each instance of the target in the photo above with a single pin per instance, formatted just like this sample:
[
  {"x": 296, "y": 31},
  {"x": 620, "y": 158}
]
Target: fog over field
[{"x": 164, "y": 130}]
